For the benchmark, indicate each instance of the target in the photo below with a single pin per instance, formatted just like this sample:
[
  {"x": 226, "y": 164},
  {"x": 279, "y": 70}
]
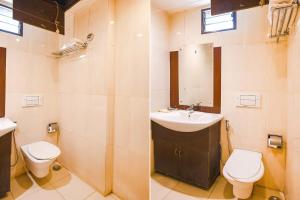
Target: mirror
[
  {"x": 196, "y": 75},
  {"x": 195, "y": 78}
]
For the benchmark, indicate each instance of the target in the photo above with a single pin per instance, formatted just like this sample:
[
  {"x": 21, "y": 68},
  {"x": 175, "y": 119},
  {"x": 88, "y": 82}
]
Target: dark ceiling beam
[
  {"x": 42, "y": 13},
  {"x": 224, "y": 6},
  {"x": 70, "y": 3},
  {"x": 66, "y": 4}
]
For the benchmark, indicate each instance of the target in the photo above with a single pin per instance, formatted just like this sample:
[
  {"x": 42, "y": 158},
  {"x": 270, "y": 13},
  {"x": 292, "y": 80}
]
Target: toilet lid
[
  {"x": 243, "y": 164},
  {"x": 43, "y": 150}
]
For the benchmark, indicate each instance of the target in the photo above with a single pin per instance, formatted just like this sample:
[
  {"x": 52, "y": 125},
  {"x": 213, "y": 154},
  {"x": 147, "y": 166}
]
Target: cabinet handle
[
  {"x": 180, "y": 154},
  {"x": 176, "y": 152}
]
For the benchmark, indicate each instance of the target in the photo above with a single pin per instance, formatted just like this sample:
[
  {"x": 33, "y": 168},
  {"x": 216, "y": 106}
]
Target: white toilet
[
  {"x": 39, "y": 156},
  {"x": 242, "y": 170}
]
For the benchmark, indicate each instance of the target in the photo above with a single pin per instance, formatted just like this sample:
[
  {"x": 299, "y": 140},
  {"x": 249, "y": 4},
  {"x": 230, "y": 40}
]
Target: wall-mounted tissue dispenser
[
  {"x": 275, "y": 141},
  {"x": 53, "y": 128}
]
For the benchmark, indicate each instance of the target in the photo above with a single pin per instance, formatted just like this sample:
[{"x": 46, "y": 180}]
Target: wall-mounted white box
[
  {"x": 248, "y": 100},
  {"x": 33, "y": 101}
]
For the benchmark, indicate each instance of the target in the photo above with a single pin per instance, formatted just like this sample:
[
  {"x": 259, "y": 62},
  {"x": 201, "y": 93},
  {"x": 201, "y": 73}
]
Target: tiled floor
[
  {"x": 59, "y": 185},
  {"x": 165, "y": 188}
]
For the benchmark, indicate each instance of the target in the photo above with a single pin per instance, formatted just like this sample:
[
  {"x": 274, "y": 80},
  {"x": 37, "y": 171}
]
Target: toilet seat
[
  {"x": 243, "y": 164},
  {"x": 43, "y": 150},
  {"x": 242, "y": 170}
]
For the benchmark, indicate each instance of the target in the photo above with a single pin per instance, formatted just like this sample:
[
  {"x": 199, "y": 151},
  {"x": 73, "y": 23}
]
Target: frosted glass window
[
  {"x": 216, "y": 23},
  {"x": 7, "y": 23}
]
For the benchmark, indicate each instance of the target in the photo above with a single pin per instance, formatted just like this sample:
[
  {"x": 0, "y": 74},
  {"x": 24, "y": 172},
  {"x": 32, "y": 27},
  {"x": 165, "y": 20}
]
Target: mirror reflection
[{"x": 196, "y": 75}]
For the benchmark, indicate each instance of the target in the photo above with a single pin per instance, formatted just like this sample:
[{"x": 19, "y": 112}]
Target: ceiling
[
  {"x": 66, "y": 3},
  {"x": 172, "y": 6}
]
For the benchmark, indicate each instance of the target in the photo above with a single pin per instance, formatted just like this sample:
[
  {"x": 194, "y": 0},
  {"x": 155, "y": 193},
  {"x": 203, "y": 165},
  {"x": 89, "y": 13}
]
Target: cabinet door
[
  {"x": 223, "y": 6},
  {"x": 5, "y": 151},
  {"x": 166, "y": 159},
  {"x": 193, "y": 166}
]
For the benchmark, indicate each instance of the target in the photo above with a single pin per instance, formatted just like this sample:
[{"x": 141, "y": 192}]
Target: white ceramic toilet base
[
  {"x": 41, "y": 170},
  {"x": 242, "y": 170},
  {"x": 39, "y": 156},
  {"x": 242, "y": 191},
  {"x": 41, "y": 173}
]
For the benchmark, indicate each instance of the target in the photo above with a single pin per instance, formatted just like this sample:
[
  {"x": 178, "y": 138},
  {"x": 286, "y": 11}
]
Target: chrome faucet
[
  {"x": 199, "y": 105},
  {"x": 191, "y": 109}
]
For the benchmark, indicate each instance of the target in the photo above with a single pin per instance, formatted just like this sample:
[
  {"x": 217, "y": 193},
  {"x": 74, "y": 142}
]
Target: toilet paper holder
[
  {"x": 275, "y": 141},
  {"x": 53, "y": 127}
]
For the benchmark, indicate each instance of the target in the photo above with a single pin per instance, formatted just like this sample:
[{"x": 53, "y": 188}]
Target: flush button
[
  {"x": 248, "y": 100},
  {"x": 33, "y": 101}
]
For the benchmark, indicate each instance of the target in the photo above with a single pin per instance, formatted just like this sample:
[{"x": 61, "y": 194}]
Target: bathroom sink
[
  {"x": 6, "y": 126},
  {"x": 184, "y": 121}
]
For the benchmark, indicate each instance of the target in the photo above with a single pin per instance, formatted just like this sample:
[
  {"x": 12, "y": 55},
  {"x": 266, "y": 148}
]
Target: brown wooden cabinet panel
[
  {"x": 191, "y": 157},
  {"x": 168, "y": 160},
  {"x": 194, "y": 166},
  {"x": 223, "y": 6},
  {"x": 5, "y": 151}
]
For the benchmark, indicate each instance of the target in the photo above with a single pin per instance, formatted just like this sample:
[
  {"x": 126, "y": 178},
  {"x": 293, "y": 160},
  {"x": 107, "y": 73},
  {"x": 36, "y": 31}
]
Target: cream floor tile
[
  {"x": 98, "y": 196},
  {"x": 174, "y": 195},
  {"x": 261, "y": 193},
  {"x": 72, "y": 188},
  {"x": 22, "y": 186},
  {"x": 43, "y": 195},
  {"x": 7, "y": 197},
  {"x": 40, "y": 188},
  {"x": 57, "y": 185},
  {"x": 58, "y": 175},
  {"x": 188, "y": 192},
  {"x": 53, "y": 177},
  {"x": 222, "y": 190},
  {"x": 115, "y": 197},
  {"x": 165, "y": 188},
  {"x": 161, "y": 185}
]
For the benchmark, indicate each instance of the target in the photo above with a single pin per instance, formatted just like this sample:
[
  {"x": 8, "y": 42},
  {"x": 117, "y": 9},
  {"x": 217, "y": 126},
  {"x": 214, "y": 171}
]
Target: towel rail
[{"x": 282, "y": 18}]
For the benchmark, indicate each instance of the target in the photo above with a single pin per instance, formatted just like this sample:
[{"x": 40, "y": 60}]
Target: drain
[
  {"x": 57, "y": 167},
  {"x": 274, "y": 198}
]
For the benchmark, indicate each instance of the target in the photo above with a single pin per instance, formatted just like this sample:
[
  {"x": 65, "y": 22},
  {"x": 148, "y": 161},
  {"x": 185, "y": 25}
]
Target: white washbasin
[
  {"x": 184, "y": 121},
  {"x": 6, "y": 126}
]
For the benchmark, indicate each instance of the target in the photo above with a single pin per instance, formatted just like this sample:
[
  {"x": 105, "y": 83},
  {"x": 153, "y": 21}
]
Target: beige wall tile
[
  {"x": 132, "y": 107},
  {"x": 160, "y": 63},
  {"x": 30, "y": 71},
  {"x": 84, "y": 95},
  {"x": 250, "y": 62},
  {"x": 293, "y": 136}
]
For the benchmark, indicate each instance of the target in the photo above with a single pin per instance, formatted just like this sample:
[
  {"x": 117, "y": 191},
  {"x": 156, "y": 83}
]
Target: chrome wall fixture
[
  {"x": 74, "y": 47},
  {"x": 282, "y": 18}
]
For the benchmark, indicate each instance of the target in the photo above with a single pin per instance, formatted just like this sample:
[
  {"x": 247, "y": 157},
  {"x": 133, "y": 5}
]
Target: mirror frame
[
  {"x": 174, "y": 82},
  {"x": 2, "y": 80}
]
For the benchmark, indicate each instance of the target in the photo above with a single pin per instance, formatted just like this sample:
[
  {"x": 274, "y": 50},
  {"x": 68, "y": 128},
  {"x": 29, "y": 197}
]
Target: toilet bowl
[
  {"x": 39, "y": 156},
  {"x": 242, "y": 170}
]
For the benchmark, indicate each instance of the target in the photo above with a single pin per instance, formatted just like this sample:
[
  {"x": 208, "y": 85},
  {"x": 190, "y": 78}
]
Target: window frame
[
  {"x": 222, "y": 30},
  {"x": 21, "y": 24}
]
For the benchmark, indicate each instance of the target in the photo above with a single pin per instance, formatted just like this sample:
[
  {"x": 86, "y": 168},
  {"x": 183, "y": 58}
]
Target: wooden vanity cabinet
[
  {"x": 5, "y": 159},
  {"x": 223, "y": 6},
  {"x": 170, "y": 163},
  {"x": 191, "y": 157}
]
